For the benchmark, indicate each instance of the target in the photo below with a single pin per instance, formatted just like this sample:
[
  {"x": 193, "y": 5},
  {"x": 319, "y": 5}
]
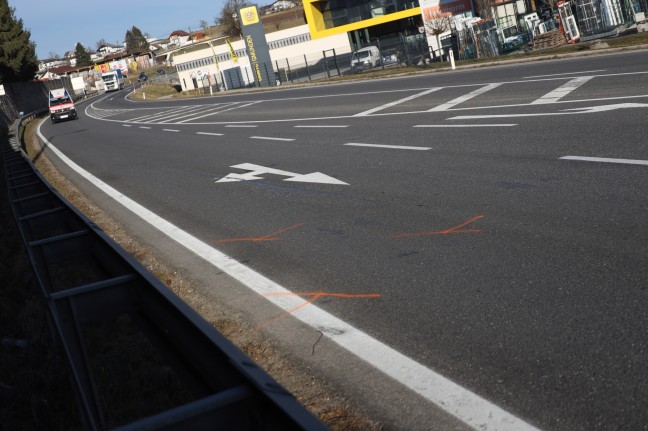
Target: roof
[
  {"x": 62, "y": 70},
  {"x": 178, "y": 33}
]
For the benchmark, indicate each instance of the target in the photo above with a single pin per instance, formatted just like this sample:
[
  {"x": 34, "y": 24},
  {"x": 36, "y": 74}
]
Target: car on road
[
  {"x": 161, "y": 71},
  {"x": 143, "y": 77}
]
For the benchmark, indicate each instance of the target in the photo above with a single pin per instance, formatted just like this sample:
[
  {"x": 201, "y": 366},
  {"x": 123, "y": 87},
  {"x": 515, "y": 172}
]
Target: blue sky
[{"x": 56, "y": 26}]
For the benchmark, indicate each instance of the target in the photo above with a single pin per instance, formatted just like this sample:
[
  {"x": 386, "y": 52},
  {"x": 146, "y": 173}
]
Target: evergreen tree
[
  {"x": 18, "y": 60},
  {"x": 135, "y": 41},
  {"x": 82, "y": 56}
]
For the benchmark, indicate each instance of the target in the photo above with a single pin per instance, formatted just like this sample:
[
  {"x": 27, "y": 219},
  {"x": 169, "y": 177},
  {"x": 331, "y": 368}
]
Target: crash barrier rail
[{"x": 87, "y": 280}]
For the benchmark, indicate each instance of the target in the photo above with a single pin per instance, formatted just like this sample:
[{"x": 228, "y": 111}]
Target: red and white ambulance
[{"x": 61, "y": 106}]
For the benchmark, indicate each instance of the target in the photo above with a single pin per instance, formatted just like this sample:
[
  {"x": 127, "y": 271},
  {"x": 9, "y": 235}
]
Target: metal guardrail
[{"x": 86, "y": 278}]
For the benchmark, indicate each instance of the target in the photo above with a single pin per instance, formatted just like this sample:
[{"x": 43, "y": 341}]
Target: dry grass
[{"x": 331, "y": 408}]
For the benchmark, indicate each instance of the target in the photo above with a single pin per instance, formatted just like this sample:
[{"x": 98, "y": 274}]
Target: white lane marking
[
  {"x": 606, "y": 160},
  {"x": 173, "y": 115},
  {"x": 126, "y": 125},
  {"x": 398, "y": 102},
  {"x": 465, "y": 405},
  {"x": 465, "y": 125},
  {"x": 571, "y": 111},
  {"x": 395, "y": 147},
  {"x": 193, "y": 113},
  {"x": 171, "y": 130},
  {"x": 148, "y": 117},
  {"x": 257, "y": 170},
  {"x": 268, "y": 138},
  {"x": 210, "y": 134},
  {"x": 562, "y": 91},
  {"x": 465, "y": 97},
  {"x": 241, "y": 125},
  {"x": 144, "y": 127},
  {"x": 563, "y": 74},
  {"x": 323, "y": 126},
  {"x": 218, "y": 112}
]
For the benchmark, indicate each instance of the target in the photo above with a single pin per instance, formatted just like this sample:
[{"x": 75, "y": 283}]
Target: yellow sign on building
[{"x": 249, "y": 15}]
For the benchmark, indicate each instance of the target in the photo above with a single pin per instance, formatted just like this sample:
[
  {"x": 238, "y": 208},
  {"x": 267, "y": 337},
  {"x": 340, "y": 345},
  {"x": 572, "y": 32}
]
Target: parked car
[
  {"x": 161, "y": 71},
  {"x": 142, "y": 77},
  {"x": 365, "y": 58},
  {"x": 391, "y": 56}
]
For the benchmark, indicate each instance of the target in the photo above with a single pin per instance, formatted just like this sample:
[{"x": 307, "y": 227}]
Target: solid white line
[
  {"x": 560, "y": 92},
  {"x": 210, "y": 134},
  {"x": 468, "y": 407},
  {"x": 606, "y": 160},
  {"x": 465, "y": 125},
  {"x": 241, "y": 125},
  {"x": 398, "y": 102},
  {"x": 323, "y": 126},
  {"x": 395, "y": 147},
  {"x": 465, "y": 97},
  {"x": 563, "y": 74},
  {"x": 171, "y": 130},
  {"x": 267, "y": 138}
]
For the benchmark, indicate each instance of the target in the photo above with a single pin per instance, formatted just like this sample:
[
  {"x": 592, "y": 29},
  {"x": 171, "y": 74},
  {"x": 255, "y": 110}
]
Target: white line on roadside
[
  {"x": 322, "y": 126},
  {"x": 458, "y": 401},
  {"x": 398, "y": 102},
  {"x": 268, "y": 138},
  {"x": 210, "y": 134},
  {"x": 563, "y": 74},
  {"x": 606, "y": 160},
  {"x": 454, "y": 102},
  {"x": 465, "y": 125},
  {"x": 395, "y": 147},
  {"x": 562, "y": 91},
  {"x": 171, "y": 130}
]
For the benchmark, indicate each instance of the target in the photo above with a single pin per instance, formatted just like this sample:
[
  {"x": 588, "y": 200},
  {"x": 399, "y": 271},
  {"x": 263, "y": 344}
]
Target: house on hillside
[
  {"x": 179, "y": 38},
  {"x": 44, "y": 65},
  {"x": 198, "y": 36},
  {"x": 108, "y": 49},
  {"x": 282, "y": 5},
  {"x": 55, "y": 72}
]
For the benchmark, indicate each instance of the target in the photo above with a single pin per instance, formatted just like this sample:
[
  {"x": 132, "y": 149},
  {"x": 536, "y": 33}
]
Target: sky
[{"x": 57, "y": 26}]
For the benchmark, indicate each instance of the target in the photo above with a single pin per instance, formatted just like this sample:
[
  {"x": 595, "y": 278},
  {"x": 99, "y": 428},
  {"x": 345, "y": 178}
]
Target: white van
[{"x": 365, "y": 58}]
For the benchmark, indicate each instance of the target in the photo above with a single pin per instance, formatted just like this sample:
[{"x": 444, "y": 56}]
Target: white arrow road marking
[
  {"x": 571, "y": 111},
  {"x": 257, "y": 170}
]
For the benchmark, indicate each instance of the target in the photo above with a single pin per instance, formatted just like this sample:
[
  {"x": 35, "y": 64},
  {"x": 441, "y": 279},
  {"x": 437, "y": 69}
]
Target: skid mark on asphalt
[
  {"x": 452, "y": 230},
  {"x": 269, "y": 237},
  {"x": 313, "y": 297}
]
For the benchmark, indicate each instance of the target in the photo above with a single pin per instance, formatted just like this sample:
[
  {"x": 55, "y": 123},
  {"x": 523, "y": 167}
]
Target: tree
[
  {"x": 436, "y": 24},
  {"x": 18, "y": 60},
  {"x": 229, "y": 18},
  {"x": 135, "y": 41},
  {"x": 101, "y": 42},
  {"x": 205, "y": 26},
  {"x": 54, "y": 56},
  {"x": 82, "y": 56}
]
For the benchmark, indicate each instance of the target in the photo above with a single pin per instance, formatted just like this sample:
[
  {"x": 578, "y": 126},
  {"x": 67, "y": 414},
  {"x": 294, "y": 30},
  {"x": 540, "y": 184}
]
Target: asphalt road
[{"x": 474, "y": 248}]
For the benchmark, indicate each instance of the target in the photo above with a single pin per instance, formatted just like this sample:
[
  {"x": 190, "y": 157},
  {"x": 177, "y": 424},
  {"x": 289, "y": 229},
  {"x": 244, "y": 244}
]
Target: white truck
[
  {"x": 61, "y": 105},
  {"x": 113, "y": 79}
]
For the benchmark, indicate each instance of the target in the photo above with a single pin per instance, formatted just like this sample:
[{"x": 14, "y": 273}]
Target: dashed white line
[
  {"x": 144, "y": 127},
  {"x": 395, "y": 147},
  {"x": 171, "y": 130},
  {"x": 126, "y": 125},
  {"x": 268, "y": 138},
  {"x": 322, "y": 126},
  {"x": 209, "y": 134},
  {"x": 465, "y": 125},
  {"x": 606, "y": 160},
  {"x": 241, "y": 125}
]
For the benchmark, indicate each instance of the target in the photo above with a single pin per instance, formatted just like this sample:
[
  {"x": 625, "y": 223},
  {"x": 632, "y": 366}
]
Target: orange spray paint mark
[
  {"x": 314, "y": 296},
  {"x": 452, "y": 230},
  {"x": 270, "y": 237}
]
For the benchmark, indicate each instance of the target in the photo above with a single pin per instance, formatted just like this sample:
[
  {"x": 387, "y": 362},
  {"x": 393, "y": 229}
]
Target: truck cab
[
  {"x": 113, "y": 79},
  {"x": 61, "y": 105}
]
